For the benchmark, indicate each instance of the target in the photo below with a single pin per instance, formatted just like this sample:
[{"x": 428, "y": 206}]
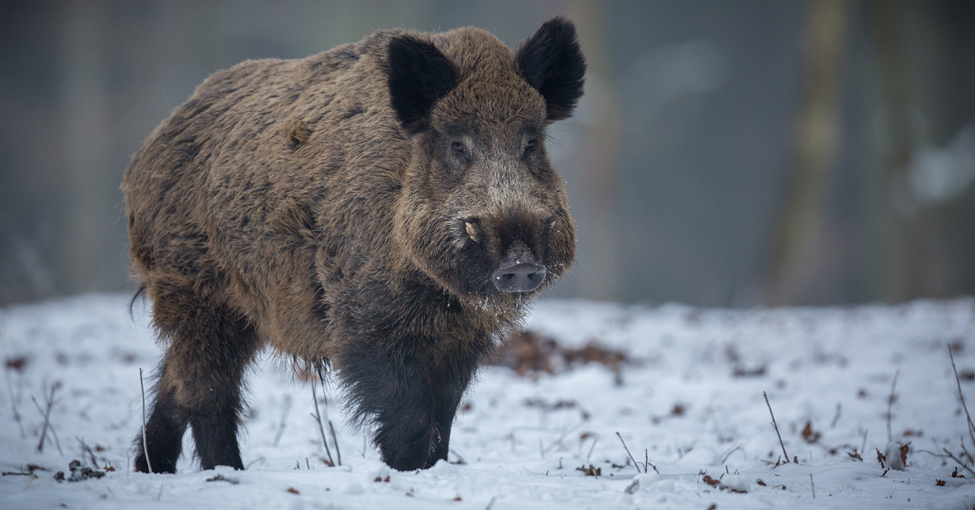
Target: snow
[{"x": 678, "y": 402}]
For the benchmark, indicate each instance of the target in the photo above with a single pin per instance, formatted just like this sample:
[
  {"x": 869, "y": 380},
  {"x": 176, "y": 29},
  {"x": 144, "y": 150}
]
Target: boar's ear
[
  {"x": 552, "y": 62},
  {"x": 419, "y": 75}
]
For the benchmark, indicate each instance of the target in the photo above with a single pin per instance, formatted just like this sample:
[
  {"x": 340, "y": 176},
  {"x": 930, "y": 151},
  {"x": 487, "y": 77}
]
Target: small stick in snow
[
  {"x": 145, "y": 444},
  {"x": 491, "y": 503},
  {"x": 890, "y": 404},
  {"x": 637, "y": 466},
  {"x": 646, "y": 458},
  {"x": 85, "y": 449},
  {"x": 49, "y": 402},
  {"x": 591, "y": 448},
  {"x": 461, "y": 461},
  {"x": 971, "y": 426},
  {"x": 813, "y": 484},
  {"x": 335, "y": 441},
  {"x": 863, "y": 448},
  {"x": 13, "y": 403},
  {"x": 836, "y": 418},
  {"x": 776, "y": 427},
  {"x": 284, "y": 419},
  {"x": 318, "y": 418}
]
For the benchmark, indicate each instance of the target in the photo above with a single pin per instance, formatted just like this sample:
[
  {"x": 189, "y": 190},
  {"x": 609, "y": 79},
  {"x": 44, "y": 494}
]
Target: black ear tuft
[
  {"x": 419, "y": 75},
  {"x": 552, "y": 62}
]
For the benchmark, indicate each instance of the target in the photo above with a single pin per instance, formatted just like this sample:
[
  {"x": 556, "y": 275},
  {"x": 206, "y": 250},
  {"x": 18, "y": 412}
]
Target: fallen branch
[{"x": 776, "y": 428}]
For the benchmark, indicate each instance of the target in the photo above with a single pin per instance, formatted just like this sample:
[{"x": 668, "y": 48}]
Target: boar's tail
[{"x": 141, "y": 292}]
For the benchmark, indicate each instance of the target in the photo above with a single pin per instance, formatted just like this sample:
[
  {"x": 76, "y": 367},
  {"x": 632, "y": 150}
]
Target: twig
[
  {"x": 460, "y": 460},
  {"x": 145, "y": 443},
  {"x": 85, "y": 449},
  {"x": 890, "y": 404},
  {"x": 284, "y": 419},
  {"x": 971, "y": 426},
  {"x": 967, "y": 454},
  {"x": 839, "y": 407},
  {"x": 960, "y": 463},
  {"x": 813, "y": 484},
  {"x": 491, "y": 503},
  {"x": 646, "y": 461},
  {"x": 776, "y": 427},
  {"x": 637, "y": 466},
  {"x": 563, "y": 435},
  {"x": 863, "y": 448},
  {"x": 13, "y": 403},
  {"x": 318, "y": 418},
  {"x": 335, "y": 441},
  {"x": 47, "y": 419}
]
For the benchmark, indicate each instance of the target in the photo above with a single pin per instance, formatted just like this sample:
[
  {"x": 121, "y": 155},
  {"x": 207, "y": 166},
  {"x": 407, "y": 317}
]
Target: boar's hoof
[{"x": 519, "y": 276}]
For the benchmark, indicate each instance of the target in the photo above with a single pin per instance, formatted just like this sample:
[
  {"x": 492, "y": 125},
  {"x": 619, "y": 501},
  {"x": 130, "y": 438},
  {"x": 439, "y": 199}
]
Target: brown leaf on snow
[
  {"x": 17, "y": 364},
  {"x": 591, "y": 470},
  {"x": 809, "y": 434},
  {"x": 939, "y": 483},
  {"x": 882, "y": 459},
  {"x": 904, "y": 451},
  {"x": 530, "y": 352},
  {"x": 293, "y": 490},
  {"x": 710, "y": 481}
]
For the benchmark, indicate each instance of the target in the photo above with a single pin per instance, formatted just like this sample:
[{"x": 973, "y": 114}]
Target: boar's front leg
[{"x": 412, "y": 404}]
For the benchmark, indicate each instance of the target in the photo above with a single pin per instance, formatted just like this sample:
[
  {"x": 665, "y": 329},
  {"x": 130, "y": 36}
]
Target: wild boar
[{"x": 384, "y": 212}]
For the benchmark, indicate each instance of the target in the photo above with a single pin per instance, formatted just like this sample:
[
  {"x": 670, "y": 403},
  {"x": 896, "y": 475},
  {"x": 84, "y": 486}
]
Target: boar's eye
[
  {"x": 461, "y": 149},
  {"x": 530, "y": 146}
]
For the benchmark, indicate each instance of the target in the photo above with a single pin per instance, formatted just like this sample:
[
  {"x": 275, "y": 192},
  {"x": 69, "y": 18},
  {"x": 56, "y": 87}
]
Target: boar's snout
[{"x": 519, "y": 272}]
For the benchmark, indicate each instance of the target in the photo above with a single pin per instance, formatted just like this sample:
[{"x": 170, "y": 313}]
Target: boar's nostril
[{"x": 519, "y": 277}]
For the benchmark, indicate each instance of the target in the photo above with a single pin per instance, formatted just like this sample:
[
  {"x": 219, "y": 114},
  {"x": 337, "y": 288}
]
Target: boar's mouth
[{"x": 519, "y": 272}]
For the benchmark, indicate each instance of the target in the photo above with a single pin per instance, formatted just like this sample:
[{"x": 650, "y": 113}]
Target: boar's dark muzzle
[{"x": 518, "y": 272}]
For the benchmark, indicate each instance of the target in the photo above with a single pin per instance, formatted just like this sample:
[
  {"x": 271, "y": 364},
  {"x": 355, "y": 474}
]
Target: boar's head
[{"x": 483, "y": 212}]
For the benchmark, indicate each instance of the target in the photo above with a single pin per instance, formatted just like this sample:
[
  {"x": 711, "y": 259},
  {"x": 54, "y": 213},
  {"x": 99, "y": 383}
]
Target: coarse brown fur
[{"x": 350, "y": 209}]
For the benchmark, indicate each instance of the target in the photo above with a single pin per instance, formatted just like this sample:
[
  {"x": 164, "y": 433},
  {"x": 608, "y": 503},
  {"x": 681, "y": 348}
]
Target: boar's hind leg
[
  {"x": 164, "y": 432},
  {"x": 200, "y": 386}
]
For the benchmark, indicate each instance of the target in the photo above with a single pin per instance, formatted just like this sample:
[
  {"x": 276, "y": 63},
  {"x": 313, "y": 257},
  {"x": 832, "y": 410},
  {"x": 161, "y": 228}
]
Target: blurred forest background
[{"x": 725, "y": 153}]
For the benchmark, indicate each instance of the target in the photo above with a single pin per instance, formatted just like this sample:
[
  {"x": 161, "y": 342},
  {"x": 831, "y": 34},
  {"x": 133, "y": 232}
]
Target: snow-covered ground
[{"x": 689, "y": 398}]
